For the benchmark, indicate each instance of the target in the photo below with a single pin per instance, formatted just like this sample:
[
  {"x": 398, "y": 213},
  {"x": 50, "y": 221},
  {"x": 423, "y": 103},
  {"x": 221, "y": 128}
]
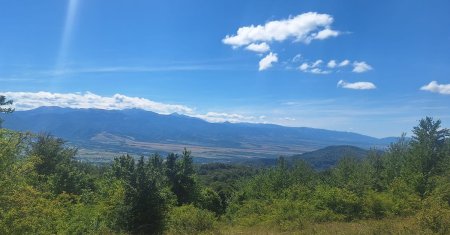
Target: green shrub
[
  {"x": 344, "y": 203},
  {"x": 211, "y": 201},
  {"x": 406, "y": 201},
  {"x": 249, "y": 212},
  {"x": 188, "y": 219},
  {"x": 378, "y": 205},
  {"x": 435, "y": 216}
]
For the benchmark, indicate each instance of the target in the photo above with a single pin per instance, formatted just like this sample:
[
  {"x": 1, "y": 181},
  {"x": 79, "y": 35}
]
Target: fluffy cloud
[
  {"x": 326, "y": 33},
  {"x": 332, "y": 64},
  {"x": 32, "y": 100},
  {"x": 259, "y": 48},
  {"x": 361, "y": 67},
  {"x": 437, "y": 88},
  {"x": 304, "y": 67},
  {"x": 267, "y": 61},
  {"x": 304, "y": 27},
  {"x": 356, "y": 85}
]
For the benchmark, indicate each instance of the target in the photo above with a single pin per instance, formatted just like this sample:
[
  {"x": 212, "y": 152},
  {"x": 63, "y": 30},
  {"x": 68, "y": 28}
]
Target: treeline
[{"x": 45, "y": 190}]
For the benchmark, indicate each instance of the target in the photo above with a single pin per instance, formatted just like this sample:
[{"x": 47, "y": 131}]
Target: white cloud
[
  {"x": 317, "y": 63},
  {"x": 361, "y": 67},
  {"x": 304, "y": 27},
  {"x": 32, "y": 100},
  {"x": 326, "y": 33},
  {"x": 437, "y": 88},
  {"x": 288, "y": 119},
  {"x": 313, "y": 68},
  {"x": 267, "y": 61},
  {"x": 356, "y": 85},
  {"x": 225, "y": 117},
  {"x": 260, "y": 48},
  {"x": 332, "y": 64},
  {"x": 319, "y": 67},
  {"x": 304, "y": 67},
  {"x": 344, "y": 63},
  {"x": 297, "y": 58},
  {"x": 319, "y": 71}
]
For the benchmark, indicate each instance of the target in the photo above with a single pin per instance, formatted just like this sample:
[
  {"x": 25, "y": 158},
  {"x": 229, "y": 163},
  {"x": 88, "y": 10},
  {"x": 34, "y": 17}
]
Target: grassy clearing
[{"x": 398, "y": 226}]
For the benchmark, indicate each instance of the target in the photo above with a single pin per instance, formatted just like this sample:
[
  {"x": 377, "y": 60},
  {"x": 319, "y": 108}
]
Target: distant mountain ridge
[{"x": 144, "y": 131}]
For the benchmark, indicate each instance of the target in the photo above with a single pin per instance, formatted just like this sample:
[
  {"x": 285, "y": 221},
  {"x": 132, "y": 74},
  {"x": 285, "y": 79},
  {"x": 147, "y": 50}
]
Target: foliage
[
  {"x": 188, "y": 219},
  {"x": 45, "y": 190},
  {"x": 397, "y": 183}
]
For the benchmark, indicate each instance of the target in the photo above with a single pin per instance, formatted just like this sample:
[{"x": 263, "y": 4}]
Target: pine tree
[{"x": 428, "y": 145}]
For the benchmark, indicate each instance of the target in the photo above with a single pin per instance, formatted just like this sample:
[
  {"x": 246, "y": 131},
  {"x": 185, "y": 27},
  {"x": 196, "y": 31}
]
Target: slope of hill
[
  {"x": 329, "y": 156},
  {"x": 140, "y": 131},
  {"x": 320, "y": 159}
]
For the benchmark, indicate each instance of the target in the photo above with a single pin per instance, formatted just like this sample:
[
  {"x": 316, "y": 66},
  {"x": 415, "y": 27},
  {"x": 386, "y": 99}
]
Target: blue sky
[{"x": 174, "y": 56}]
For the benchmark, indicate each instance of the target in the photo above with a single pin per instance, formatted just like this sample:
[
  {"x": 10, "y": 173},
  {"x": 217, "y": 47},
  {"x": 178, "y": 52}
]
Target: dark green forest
[{"x": 44, "y": 189}]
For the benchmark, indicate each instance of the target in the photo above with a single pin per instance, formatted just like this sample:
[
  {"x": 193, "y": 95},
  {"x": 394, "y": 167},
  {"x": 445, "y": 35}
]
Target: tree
[
  {"x": 172, "y": 169},
  {"x": 428, "y": 146},
  {"x": 56, "y": 165},
  {"x": 145, "y": 201},
  {"x": 51, "y": 152},
  {"x": 4, "y": 102},
  {"x": 187, "y": 190},
  {"x": 376, "y": 170},
  {"x": 148, "y": 203},
  {"x": 395, "y": 159}
]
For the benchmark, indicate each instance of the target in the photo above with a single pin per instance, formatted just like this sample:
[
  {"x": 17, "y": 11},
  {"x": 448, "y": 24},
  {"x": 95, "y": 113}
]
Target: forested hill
[
  {"x": 329, "y": 156},
  {"x": 321, "y": 159},
  {"x": 142, "y": 130}
]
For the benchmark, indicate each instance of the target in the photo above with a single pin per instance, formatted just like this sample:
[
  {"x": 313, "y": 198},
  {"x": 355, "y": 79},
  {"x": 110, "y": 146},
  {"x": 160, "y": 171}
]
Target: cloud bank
[
  {"x": 227, "y": 117},
  {"x": 87, "y": 100},
  {"x": 437, "y": 88},
  {"x": 356, "y": 85},
  {"x": 32, "y": 100}
]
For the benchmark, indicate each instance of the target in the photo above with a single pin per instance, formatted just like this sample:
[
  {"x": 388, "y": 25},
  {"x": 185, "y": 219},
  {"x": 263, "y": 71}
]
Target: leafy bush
[
  {"x": 344, "y": 203},
  {"x": 378, "y": 205},
  {"x": 435, "y": 216},
  {"x": 188, "y": 219},
  {"x": 210, "y": 200}
]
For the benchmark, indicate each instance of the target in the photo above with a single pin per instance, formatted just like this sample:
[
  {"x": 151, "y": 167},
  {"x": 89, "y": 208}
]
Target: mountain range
[{"x": 142, "y": 132}]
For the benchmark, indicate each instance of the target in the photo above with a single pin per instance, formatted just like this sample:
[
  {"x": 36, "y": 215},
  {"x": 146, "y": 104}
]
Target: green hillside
[
  {"x": 328, "y": 157},
  {"x": 404, "y": 190}
]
